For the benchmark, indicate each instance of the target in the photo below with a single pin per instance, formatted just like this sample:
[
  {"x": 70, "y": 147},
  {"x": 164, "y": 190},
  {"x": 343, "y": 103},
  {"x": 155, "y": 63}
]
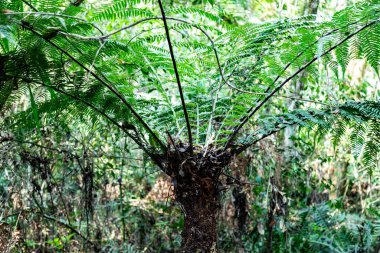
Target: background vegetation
[{"x": 70, "y": 181}]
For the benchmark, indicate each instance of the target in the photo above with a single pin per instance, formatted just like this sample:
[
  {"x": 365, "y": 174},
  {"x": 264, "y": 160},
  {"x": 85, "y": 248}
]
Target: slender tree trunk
[{"x": 312, "y": 7}]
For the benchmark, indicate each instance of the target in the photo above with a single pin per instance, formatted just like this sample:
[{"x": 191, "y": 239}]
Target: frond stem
[
  {"x": 281, "y": 96},
  {"x": 299, "y": 55},
  {"x": 103, "y": 114},
  {"x": 31, "y": 6},
  {"x": 53, "y": 15},
  {"x": 233, "y": 135},
  {"x": 177, "y": 76},
  {"x": 112, "y": 89}
]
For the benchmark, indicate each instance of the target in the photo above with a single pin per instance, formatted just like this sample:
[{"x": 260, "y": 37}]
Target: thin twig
[
  {"x": 67, "y": 226},
  {"x": 237, "y": 180}
]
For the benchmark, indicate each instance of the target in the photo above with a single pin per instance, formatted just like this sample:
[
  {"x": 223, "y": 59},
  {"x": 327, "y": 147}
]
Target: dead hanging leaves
[{"x": 277, "y": 205}]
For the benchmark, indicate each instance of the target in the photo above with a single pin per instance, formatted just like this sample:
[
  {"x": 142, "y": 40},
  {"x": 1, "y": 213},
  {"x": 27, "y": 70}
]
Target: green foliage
[
  {"x": 359, "y": 120},
  {"x": 67, "y": 67},
  {"x": 320, "y": 229},
  {"x": 134, "y": 63}
]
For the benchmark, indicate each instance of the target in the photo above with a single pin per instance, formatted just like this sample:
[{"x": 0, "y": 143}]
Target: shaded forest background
[{"x": 86, "y": 187}]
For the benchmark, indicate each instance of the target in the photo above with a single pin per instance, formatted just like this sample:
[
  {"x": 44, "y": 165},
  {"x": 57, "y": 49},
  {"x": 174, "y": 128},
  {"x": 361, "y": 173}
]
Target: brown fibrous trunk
[
  {"x": 195, "y": 176},
  {"x": 200, "y": 204}
]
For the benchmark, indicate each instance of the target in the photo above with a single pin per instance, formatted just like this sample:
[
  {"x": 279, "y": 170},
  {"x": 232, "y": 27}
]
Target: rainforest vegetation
[{"x": 190, "y": 126}]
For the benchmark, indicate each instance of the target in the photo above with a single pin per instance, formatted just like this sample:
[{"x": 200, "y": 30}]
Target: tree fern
[
  {"x": 258, "y": 48},
  {"x": 208, "y": 82}
]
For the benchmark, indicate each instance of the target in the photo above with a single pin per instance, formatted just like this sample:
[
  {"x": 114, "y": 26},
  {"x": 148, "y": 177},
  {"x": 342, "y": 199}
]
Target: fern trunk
[
  {"x": 196, "y": 179},
  {"x": 199, "y": 201}
]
